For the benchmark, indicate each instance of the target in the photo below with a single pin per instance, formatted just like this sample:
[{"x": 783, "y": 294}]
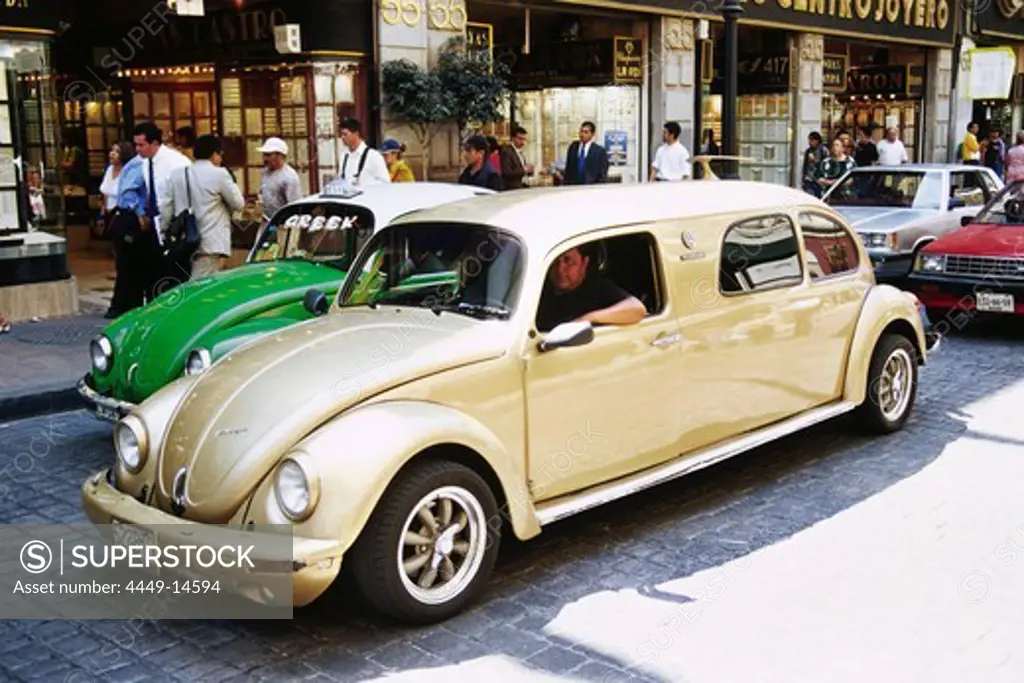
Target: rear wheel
[
  {"x": 428, "y": 549},
  {"x": 892, "y": 385}
]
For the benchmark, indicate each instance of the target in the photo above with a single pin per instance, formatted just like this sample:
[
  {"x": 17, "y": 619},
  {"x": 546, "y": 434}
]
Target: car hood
[
  {"x": 881, "y": 218},
  {"x": 152, "y": 343},
  {"x": 249, "y": 409},
  {"x": 982, "y": 239}
]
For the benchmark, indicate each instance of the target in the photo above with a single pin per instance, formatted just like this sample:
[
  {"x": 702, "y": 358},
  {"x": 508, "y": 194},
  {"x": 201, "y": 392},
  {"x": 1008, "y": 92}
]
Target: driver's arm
[{"x": 628, "y": 311}]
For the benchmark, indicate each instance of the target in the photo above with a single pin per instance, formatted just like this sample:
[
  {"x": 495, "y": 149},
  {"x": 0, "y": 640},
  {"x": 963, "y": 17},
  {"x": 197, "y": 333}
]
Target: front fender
[
  {"x": 224, "y": 341},
  {"x": 884, "y": 306},
  {"x": 358, "y": 454}
]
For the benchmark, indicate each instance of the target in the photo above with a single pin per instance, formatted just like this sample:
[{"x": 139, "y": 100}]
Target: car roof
[
  {"x": 549, "y": 215},
  {"x": 390, "y": 200},
  {"x": 918, "y": 167}
]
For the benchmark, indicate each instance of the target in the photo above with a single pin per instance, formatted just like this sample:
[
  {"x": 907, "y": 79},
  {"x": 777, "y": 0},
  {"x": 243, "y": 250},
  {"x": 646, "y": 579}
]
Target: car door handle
[{"x": 667, "y": 340}]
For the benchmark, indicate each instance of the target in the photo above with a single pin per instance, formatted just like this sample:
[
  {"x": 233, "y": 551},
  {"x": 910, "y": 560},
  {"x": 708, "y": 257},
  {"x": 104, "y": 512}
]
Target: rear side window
[
  {"x": 831, "y": 249},
  {"x": 759, "y": 254}
]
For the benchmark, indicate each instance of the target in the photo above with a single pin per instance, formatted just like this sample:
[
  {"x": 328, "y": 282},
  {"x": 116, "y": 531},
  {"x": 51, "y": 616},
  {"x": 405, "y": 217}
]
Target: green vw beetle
[{"x": 307, "y": 246}]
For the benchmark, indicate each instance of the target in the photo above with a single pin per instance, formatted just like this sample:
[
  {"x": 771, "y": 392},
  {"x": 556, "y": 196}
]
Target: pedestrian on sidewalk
[
  {"x": 515, "y": 172},
  {"x": 361, "y": 165},
  {"x": 970, "y": 150},
  {"x": 213, "y": 196},
  {"x": 1015, "y": 161},
  {"x": 120, "y": 154},
  {"x": 132, "y": 231},
  {"x": 398, "y": 170},
  {"x": 814, "y": 154},
  {"x": 586, "y": 162},
  {"x": 891, "y": 151},
  {"x": 280, "y": 185},
  {"x": 478, "y": 171},
  {"x": 866, "y": 153},
  {"x": 161, "y": 161},
  {"x": 671, "y": 160},
  {"x": 494, "y": 153},
  {"x": 832, "y": 168}
]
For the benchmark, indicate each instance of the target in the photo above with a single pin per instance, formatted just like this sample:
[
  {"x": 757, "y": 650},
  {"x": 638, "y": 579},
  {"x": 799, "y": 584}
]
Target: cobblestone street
[{"x": 826, "y": 556}]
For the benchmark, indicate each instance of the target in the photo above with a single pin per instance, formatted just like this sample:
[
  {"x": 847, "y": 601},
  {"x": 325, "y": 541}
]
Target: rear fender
[{"x": 885, "y": 309}]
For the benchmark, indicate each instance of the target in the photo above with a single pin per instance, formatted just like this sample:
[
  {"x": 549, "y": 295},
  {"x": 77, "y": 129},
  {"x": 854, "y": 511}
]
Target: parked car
[
  {"x": 980, "y": 267},
  {"x": 309, "y": 243},
  {"x": 447, "y": 389},
  {"x": 897, "y": 210}
]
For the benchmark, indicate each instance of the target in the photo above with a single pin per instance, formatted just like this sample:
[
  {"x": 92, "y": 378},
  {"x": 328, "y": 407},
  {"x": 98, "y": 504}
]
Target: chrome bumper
[{"x": 106, "y": 408}]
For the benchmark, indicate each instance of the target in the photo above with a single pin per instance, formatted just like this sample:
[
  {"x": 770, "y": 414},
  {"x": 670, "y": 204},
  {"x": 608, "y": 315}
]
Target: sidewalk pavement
[{"x": 41, "y": 362}]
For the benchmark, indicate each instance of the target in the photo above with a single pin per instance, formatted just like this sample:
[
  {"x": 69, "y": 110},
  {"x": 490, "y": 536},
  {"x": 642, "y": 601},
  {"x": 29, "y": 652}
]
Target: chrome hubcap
[
  {"x": 442, "y": 546},
  {"x": 894, "y": 387}
]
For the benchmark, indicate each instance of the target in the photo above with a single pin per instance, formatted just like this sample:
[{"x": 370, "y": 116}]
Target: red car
[{"x": 978, "y": 268}]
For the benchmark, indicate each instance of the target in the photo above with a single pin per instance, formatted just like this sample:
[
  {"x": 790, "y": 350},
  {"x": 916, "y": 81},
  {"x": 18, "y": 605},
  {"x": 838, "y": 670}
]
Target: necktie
[
  {"x": 151, "y": 209},
  {"x": 582, "y": 160}
]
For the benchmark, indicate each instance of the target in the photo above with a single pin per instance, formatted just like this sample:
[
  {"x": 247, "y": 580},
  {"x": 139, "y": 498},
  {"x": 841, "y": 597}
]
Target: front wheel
[
  {"x": 429, "y": 547},
  {"x": 892, "y": 385}
]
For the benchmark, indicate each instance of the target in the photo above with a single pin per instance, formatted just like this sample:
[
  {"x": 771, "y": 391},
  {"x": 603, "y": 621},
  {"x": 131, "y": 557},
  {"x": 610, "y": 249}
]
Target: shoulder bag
[{"x": 181, "y": 241}]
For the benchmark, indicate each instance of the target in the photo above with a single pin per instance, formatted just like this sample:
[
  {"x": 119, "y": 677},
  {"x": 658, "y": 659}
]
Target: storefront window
[{"x": 32, "y": 163}]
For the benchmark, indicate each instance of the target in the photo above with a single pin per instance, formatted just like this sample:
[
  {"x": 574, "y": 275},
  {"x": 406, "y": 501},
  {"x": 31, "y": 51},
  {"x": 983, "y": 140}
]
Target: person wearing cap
[
  {"x": 399, "y": 171},
  {"x": 280, "y": 185},
  {"x": 478, "y": 171},
  {"x": 360, "y": 164}
]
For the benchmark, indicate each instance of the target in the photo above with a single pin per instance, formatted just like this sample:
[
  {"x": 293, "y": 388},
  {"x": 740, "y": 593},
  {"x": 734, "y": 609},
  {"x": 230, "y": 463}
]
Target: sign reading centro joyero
[{"x": 907, "y": 21}]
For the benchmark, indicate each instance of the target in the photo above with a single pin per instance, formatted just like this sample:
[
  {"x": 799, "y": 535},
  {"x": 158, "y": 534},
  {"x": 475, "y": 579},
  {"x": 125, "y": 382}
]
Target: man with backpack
[{"x": 360, "y": 165}]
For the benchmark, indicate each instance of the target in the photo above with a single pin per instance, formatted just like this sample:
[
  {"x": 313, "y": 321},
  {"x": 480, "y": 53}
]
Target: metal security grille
[{"x": 991, "y": 267}]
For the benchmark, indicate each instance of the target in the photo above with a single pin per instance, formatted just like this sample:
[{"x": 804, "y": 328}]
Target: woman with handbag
[{"x": 120, "y": 154}]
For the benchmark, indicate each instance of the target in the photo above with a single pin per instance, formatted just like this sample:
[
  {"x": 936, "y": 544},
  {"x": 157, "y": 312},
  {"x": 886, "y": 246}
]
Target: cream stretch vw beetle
[{"x": 459, "y": 389}]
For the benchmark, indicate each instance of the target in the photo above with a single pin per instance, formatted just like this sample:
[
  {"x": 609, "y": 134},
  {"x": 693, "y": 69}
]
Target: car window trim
[
  {"x": 852, "y": 234},
  {"x": 767, "y": 288}
]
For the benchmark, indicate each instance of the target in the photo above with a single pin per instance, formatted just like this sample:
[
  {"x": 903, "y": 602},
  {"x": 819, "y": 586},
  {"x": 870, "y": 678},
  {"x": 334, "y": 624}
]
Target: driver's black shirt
[{"x": 593, "y": 294}]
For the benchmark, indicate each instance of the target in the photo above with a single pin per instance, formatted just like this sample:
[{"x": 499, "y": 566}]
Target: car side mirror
[
  {"x": 956, "y": 203},
  {"x": 316, "y": 302},
  {"x": 567, "y": 334},
  {"x": 965, "y": 220}
]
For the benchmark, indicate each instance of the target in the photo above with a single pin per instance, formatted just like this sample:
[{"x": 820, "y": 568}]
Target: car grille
[{"x": 992, "y": 267}]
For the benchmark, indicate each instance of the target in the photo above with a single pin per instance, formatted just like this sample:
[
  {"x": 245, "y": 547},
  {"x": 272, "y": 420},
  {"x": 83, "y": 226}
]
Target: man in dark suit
[
  {"x": 587, "y": 162},
  {"x": 514, "y": 168}
]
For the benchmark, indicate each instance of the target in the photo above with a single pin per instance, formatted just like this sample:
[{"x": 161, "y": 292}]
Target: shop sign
[
  {"x": 991, "y": 73},
  {"x": 834, "y": 73},
  {"x": 629, "y": 60},
  {"x": 575, "y": 63},
  {"x": 43, "y": 15},
  {"x": 616, "y": 143},
  {"x": 900, "y": 80},
  {"x": 1003, "y": 18},
  {"x": 480, "y": 40},
  {"x": 908, "y": 21},
  {"x": 763, "y": 74}
]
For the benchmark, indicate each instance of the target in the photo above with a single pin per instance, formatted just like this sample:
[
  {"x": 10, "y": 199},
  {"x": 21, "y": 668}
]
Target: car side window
[
  {"x": 831, "y": 248},
  {"x": 966, "y": 185},
  {"x": 758, "y": 254},
  {"x": 599, "y": 274}
]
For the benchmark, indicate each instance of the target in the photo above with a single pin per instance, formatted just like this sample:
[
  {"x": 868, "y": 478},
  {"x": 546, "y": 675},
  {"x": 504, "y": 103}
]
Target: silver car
[{"x": 896, "y": 210}]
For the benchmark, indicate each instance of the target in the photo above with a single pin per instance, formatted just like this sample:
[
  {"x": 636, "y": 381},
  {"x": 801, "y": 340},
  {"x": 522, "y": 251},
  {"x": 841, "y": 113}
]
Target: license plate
[
  {"x": 130, "y": 534},
  {"x": 989, "y": 302}
]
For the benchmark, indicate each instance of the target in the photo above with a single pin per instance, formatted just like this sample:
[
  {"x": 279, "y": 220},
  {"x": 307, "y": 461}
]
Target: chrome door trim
[{"x": 573, "y": 503}]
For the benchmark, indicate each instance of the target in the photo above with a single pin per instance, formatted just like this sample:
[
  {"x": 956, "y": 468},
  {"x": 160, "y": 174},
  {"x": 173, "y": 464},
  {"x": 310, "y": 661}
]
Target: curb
[{"x": 40, "y": 403}]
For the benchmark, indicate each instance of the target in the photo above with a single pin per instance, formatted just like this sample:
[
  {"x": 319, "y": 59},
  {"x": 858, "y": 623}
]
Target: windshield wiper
[{"x": 475, "y": 310}]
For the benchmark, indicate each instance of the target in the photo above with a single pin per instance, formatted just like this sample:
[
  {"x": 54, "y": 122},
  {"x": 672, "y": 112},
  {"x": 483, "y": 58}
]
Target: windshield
[
  {"x": 468, "y": 269},
  {"x": 1006, "y": 208},
  {"x": 898, "y": 189},
  {"x": 330, "y": 233}
]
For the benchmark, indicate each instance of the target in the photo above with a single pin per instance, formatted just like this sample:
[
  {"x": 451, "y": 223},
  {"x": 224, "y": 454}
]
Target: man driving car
[{"x": 573, "y": 294}]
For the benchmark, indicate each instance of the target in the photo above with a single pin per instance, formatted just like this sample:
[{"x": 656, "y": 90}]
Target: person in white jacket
[{"x": 214, "y": 199}]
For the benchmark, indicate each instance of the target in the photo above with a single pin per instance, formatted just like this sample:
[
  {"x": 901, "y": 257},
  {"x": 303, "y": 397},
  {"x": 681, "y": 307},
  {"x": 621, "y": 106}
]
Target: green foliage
[
  {"x": 477, "y": 86},
  {"x": 413, "y": 94}
]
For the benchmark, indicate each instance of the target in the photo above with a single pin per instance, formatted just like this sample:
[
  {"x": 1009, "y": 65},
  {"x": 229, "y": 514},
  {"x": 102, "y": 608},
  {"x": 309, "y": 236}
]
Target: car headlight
[
  {"x": 877, "y": 239},
  {"x": 102, "y": 353},
  {"x": 131, "y": 441},
  {"x": 930, "y": 263},
  {"x": 297, "y": 487},
  {"x": 198, "y": 362}
]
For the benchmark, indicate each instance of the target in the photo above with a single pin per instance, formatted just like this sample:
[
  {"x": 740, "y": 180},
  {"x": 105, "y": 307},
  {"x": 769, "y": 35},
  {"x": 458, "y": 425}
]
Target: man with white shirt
[
  {"x": 206, "y": 188},
  {"x": 159, "y": 162},
  {"x": 891, "y": 151},
  {"x": 360, "y": 165},
  {"x": 672, "y": 160}
]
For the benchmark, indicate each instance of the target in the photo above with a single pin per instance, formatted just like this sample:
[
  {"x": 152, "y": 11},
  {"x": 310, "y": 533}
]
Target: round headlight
[
  {"x": 102, "y": 353},
  {"x": 297, "y": 488},
  {"x": 198, "y": 362},
  {"x": 130, "y": 441}
]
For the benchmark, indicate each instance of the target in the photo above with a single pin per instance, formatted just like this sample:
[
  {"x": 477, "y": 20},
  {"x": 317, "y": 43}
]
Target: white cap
[{"x": 274, "y": 145}]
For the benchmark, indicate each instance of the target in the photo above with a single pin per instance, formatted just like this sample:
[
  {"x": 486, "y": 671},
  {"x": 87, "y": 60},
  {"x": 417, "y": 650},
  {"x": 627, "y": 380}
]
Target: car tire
[
  {"x": 892, "y": 385},
  {"x": 460, "y": 549}
]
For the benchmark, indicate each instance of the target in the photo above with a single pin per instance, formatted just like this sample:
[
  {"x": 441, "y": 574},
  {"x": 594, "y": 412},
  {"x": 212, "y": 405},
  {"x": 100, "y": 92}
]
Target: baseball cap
[
  {"x": 274, "y": 145},
  {"x": 390, "y": 145}
]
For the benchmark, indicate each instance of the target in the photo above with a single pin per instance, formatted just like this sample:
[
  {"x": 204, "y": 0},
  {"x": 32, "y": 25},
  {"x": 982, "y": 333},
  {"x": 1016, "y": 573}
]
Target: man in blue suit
[{"x": 587, "y": 162}]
